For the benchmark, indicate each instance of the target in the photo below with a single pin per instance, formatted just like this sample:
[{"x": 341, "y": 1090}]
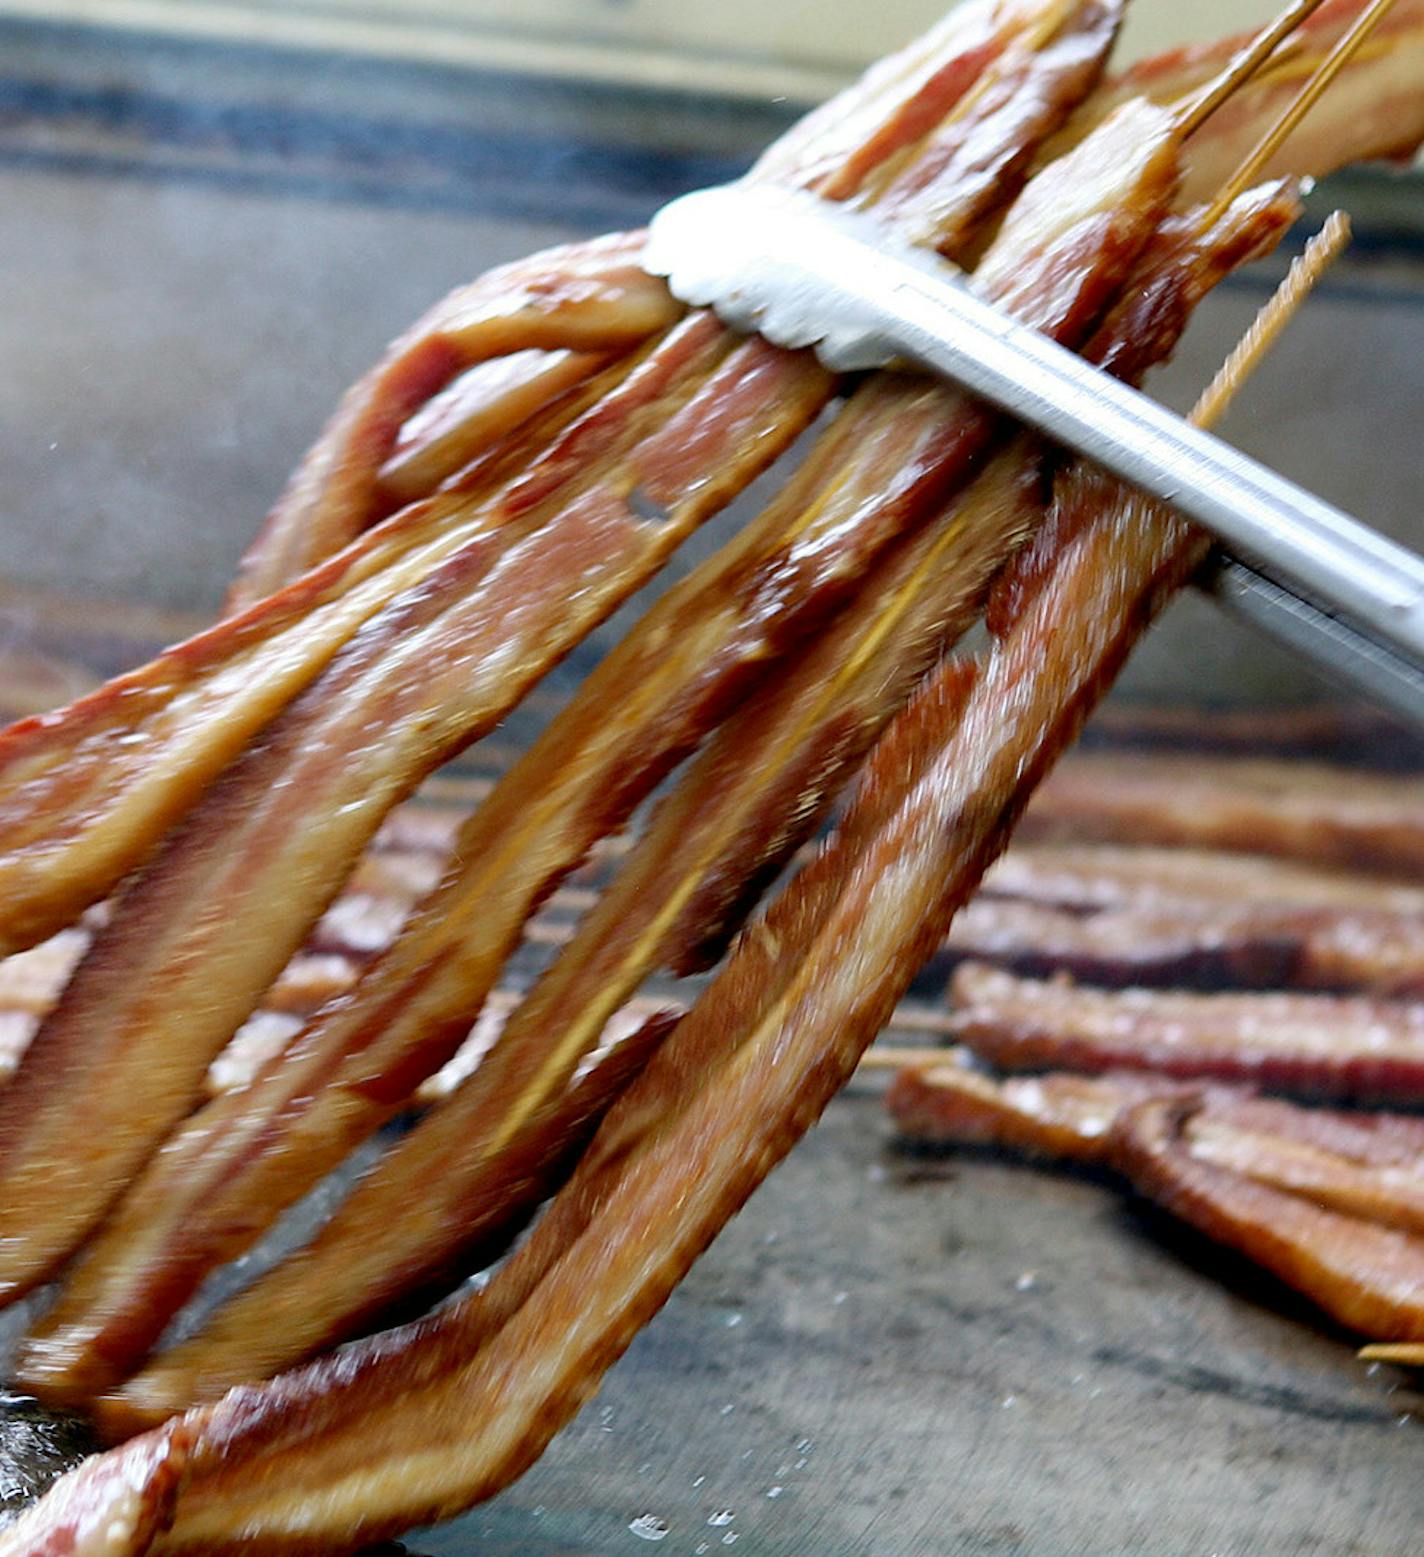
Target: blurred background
[{"x": 216, "y": 214}]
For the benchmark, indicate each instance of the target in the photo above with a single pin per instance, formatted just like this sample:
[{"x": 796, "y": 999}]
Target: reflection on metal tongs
[{"x": 804, "y": 272}]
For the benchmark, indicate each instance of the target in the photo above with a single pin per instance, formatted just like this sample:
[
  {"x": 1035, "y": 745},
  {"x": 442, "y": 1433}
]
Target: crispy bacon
[
  {"x": 947, "y": 1101},
  {"x": 1323, "y": 815},
  {"x": 339, "y": 486},
  {"x": 1139, "y": 947},
  {"x": 1325, "y": 1045},
  {"x": 1143, "y": 916},
  {"x": 1199, "y": 944},
  {"x": 86, "y": 793},
  {"x": 741, "y": 1077},
  {"x": 1096, "y": 876},
  {"x": 379, "y": 1256},
  {"x": 113, "y": 1505},
  {"x": 1368, "y": 1277},
  {"x": 686, "y": 429},
  {"x": 1368, "y": 1166},
  {"x": 82, "y": 1344},
  {"x": 587, "y": 298},
  {"x": 360, "y": 1446},
  {"x": 1374, "y": 111}
]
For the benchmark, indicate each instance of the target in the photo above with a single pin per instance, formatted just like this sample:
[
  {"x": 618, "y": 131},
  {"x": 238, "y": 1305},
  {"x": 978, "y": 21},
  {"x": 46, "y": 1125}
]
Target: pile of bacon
[
  {"x": 513, "y": 470},
  {"x": 1224, "y": 874}
]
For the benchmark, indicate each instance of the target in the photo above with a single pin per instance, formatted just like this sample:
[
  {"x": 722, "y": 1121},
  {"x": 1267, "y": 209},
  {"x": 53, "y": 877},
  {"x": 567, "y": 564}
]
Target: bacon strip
[
  {"x": 1197, "y": 944},
  {"x": 113, "y": 1505},
  {"x": 542, "y": 303},
  {"x": 87, "y": 792},
  {"x": 1061, "y": 1116},
  {"x": 1096, "y": 876},
  {"x": 1369, "y": 1166},
  {"x": 1135, "y": 947},
  {"x": 741, "y": 1077},
  {"x": 1368, "y": 1277},
  {"x": 1324, "y": 815},
  {"x": 81, "y": 1344},
  {"x": 737, "y": 1083},
  {"x": 1374, "y": 110},
  {"x": 1140, "y": 916},
  {"x": 337, "y": 489},
  {"x": 1326, "y": 1045},
  {"x": 456, "y": 426},
  {"x": 432, "y": 671},
  {"x": 277, "y": 836}
]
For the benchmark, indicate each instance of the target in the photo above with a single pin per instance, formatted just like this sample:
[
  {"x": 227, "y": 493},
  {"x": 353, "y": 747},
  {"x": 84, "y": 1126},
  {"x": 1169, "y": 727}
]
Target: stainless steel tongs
[{"x": 804, "y": 272}]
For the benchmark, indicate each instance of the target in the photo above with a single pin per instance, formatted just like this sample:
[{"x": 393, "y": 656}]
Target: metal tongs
[{"x": 804, "y": 272}]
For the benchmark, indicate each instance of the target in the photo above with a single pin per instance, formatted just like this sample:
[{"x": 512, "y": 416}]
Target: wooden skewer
[
  {"x": 1408, "y": 1354},
  {"x": 1245, "y": 65},
  {"x": 1330, "y": 67},
  {"x": 1320, "y": 253},
  {"x": 1248, "y": 353},
  {"x": 886, "y": 1057}
]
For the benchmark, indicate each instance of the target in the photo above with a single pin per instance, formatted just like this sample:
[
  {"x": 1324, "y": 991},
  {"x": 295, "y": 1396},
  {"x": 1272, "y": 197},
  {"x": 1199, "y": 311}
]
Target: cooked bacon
[
  {"x": 1365, "y": 1165},
  {"x": 468, "y": 417},
  {"x": 1197, "y": 945},
  {"x": 947, "y": 1101},
  {"x": 739, "y": 1080},
  {"x": 1369, "y": 1166},
  {"x": 687, "y": 429},
  {"x": 87, "y": 792},
  {"x": 361, "y": 1444},
  {"x": 307, "y": 1461},
  {"x": 378, "y": 1255},
  {"x": 113, "y": 1505},
  {"x": 274, "y": 840},
  {"x": 1375, "y": 110},
  {"x": 1324, "y": 815},
  {"x": 1323, "y": 1045},
  {"x": 103, "y": 1318},
  {"x": 1368, "y": 1277},
  {"x": 1144, "y": 916},
  {"x": 1094, "y": 876},
  {"x": 1140, "y": 947},
  {"x": 586, "y": 297}
]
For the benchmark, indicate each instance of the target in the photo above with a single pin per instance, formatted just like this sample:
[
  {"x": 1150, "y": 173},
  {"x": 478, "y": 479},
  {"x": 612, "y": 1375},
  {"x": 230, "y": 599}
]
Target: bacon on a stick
[
  {"x": 305, "y": 1462},
  {"x": 884, "y": 468},
  {"x": 1360, "y": 1047},
  {"x": 377, "y": 444},
  {"x": 1373, "y": 109},
  {"x": 87, "y": 793},
  {"x": 366, "y": 1441},
  {"x": 503, "y": 1102}
]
